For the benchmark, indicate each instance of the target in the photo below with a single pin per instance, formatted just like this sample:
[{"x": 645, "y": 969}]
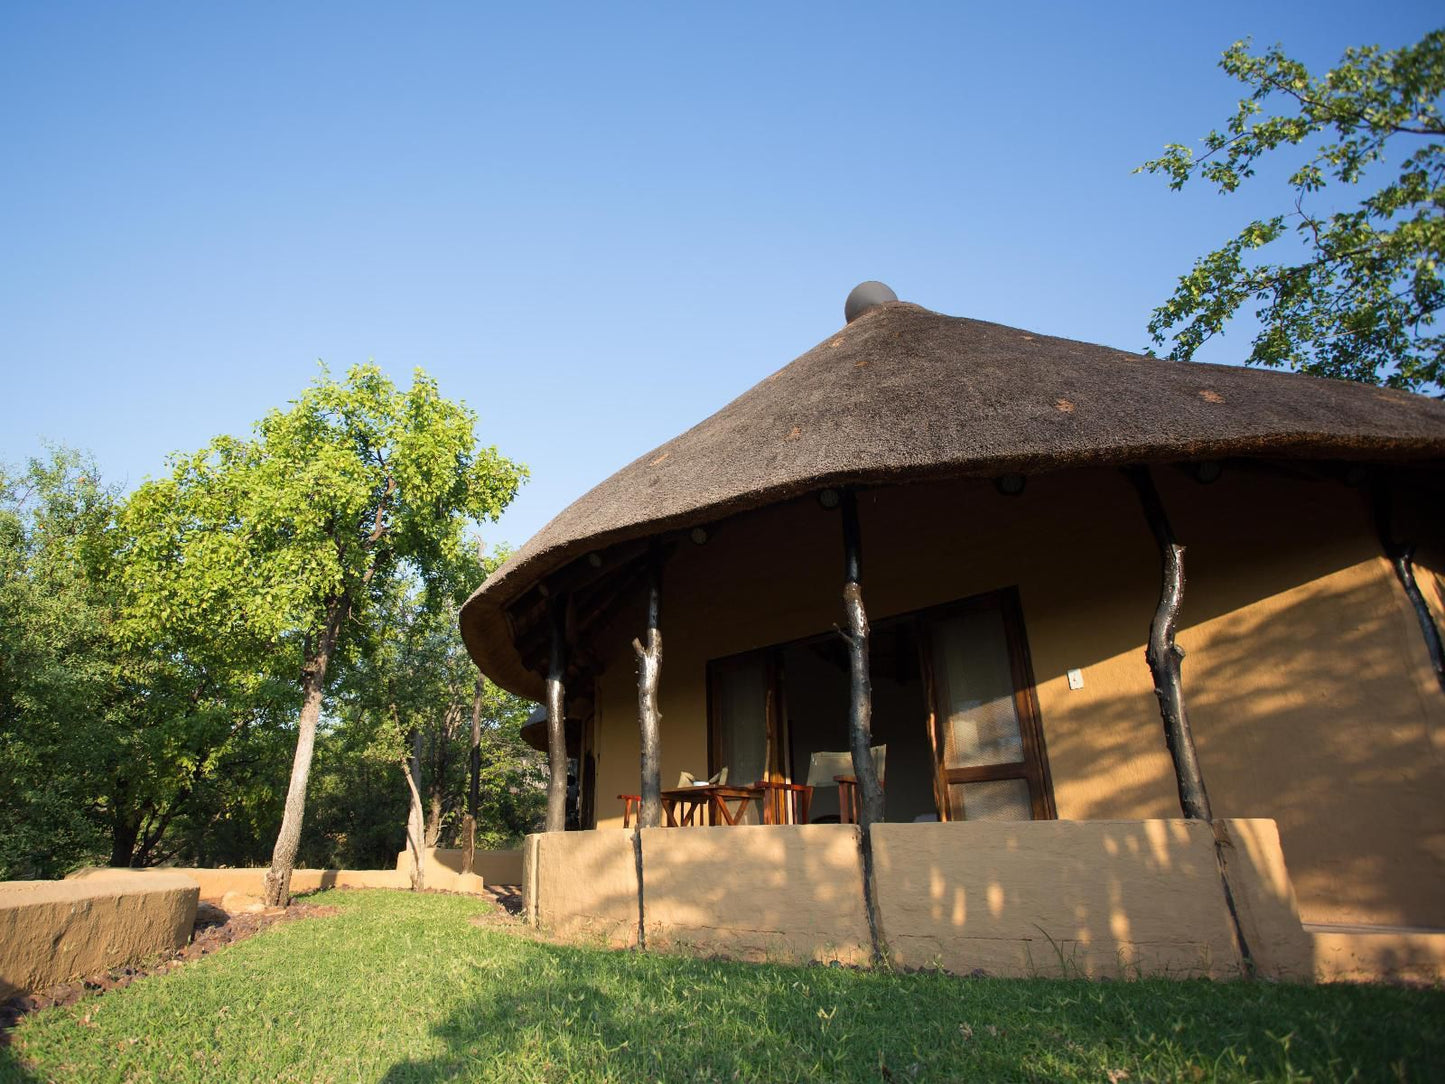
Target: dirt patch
[
  {"x": 214, "y": 930},
  {"x": 508, "y": 896}
]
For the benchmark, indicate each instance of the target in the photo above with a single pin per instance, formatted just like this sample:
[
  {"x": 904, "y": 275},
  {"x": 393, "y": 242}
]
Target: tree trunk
[
  {"x": 433, "y": 832},
  {"x": 557, "y": 724},
  {"x": 313, "y": 689},
  {"x": 474, "y": 784},
  {"x": 414, "y": 840},
  {"x": 124, "y": 833},
  {"x": 649, "y": 718},
  {"x": 860, "y": 714},
  {"x": 1164, "y": 657}
]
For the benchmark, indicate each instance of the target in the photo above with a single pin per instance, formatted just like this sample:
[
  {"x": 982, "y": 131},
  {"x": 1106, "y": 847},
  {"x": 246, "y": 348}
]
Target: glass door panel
[
  {"x": 993, "y": 800},
  {"x": 740, "y": 719},
  {"x": 975, "y": 689},
  {"x": 986, "y": 739}
]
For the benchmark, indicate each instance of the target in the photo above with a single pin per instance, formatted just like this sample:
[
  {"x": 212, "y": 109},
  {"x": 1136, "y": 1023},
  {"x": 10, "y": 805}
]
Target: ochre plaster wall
[
  {"x": 1078, "y": 897},
  {"x": 53, "y": 931},
  {"x": 1095, "y": 898},
  {"x": 1306, "y": 677},
  {"x": 583, "y": 885},
  {"x": 250, "y": 881},
  {"x": 1360, "y": 955},
  {"x": 791, "y": 892},
  {"x": 444, "y": 866}
]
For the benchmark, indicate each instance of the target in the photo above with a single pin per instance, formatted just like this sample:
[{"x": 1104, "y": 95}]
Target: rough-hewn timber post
[
  {"x": 649, "y": 719},
  {"x": 1164, "y": 656},
  {"x": 1401, "y": 556},
  {"x": 860, "y": 709},
  {"x": 556, "y": 720}
]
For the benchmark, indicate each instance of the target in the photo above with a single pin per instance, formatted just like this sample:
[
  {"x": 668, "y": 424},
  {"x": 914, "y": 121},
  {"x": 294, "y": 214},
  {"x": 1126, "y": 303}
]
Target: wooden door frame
[{"x": 1034, "y": 768}]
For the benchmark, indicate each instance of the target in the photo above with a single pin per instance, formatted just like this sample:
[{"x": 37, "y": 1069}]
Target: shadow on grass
[
  {"x": 578, "y": 1014},
  {"x": 12, "y": 1069}
]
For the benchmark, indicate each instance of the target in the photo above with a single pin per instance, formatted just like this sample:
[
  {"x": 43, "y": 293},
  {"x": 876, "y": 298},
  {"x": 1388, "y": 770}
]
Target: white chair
[{"x": 836, "y": 770}]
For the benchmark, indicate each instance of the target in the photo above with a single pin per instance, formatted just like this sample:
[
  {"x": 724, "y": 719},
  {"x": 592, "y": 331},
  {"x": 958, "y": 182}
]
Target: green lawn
[{"x": 404, "y": 988}]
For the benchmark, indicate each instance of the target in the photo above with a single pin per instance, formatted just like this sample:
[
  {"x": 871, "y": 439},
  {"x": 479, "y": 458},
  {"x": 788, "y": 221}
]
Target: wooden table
[{"x": 711, "y": 804}]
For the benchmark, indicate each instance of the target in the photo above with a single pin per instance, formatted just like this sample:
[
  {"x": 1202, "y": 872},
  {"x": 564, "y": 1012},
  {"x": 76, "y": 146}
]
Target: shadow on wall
[
  {"x": 1122, "y": 899},
  {"x": 1335, "y": 747}
]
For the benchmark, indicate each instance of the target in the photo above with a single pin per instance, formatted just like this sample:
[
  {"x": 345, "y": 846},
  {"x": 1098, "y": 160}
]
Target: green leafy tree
[
  {"x": 285, "y": 542},
  {"x": 54, "y": 515},
  {"x": 1359, "y": 301},
  {"x": 412, "y": 700},
  {"x": 104, "y": 740}
]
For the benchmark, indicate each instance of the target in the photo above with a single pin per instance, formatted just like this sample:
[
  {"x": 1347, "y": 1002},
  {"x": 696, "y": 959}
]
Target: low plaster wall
[
  {"x": 790, "y": 892},
  {"x": 1366, "y": 954},
  {"x": 251, "y": 880},
  {"x": 1117, "y": 898},
  {"x": 583, "y": 885},
  {"x": 444, "y": 865},
  {"x": 54, "y": 931}
]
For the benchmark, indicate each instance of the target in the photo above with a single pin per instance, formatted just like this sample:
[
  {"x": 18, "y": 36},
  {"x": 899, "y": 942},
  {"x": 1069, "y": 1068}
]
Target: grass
[{"x": 404, "y": 988}]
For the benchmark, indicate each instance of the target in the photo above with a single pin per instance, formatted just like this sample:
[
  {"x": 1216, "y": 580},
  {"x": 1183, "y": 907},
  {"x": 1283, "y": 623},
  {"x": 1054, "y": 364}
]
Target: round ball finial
[{"x": 865, "y": 297}]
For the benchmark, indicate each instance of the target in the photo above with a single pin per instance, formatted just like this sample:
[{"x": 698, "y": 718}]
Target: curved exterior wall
[{"x": 1307, "y": 681}]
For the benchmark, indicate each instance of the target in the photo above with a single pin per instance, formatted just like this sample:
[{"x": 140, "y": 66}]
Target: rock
[
  {"x": 239, "y": 903},
  {"x": 470, "y": 883},
  {"x": 208, "y": 914}
]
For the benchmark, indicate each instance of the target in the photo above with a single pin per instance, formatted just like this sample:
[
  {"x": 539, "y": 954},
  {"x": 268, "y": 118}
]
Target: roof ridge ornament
[{"x": 866, "y": 297}]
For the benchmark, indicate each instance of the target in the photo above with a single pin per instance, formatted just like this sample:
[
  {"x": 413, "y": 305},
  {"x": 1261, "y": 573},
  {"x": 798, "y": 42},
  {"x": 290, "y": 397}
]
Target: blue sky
[{"x": 594, "y": 223}]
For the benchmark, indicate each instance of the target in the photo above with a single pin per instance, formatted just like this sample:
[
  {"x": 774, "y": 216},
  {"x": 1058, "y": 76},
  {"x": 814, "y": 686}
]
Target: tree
[
  {"x": 285, "y": 542},
  {"x": 104, "y": 741},
  {"x": 53, "y": 520},
  {"x": 1359, "y": 302},
  {"x": 411, "y": 699}
]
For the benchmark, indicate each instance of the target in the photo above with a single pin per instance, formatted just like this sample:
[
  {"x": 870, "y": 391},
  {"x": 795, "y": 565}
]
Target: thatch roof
[{"x": 904, "y": 394}]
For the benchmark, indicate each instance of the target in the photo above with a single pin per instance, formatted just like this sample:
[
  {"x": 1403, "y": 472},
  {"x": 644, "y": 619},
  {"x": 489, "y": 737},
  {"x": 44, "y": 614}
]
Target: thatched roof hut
[
  {"x": 903, "y": 394},
  {"x": 1011, "y": 651}
]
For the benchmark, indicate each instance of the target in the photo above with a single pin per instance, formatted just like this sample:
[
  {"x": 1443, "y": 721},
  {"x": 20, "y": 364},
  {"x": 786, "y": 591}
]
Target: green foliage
[
  {"x": 1361, "y": 302},
  {"x": 319, "y": 1000},
  {"x": 53, "y": 521},
  {"x": 294, "y": 541},
  {"x": 419, "y": 679},
  {"x": 150, "y": 648},
  {"x": 251, "y": 540},
  {"x": 104, "y": 738}
]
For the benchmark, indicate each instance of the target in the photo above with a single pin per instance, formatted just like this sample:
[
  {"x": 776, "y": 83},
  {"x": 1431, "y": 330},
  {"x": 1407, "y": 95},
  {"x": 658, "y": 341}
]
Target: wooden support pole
[
  {"x": 649, "y": 718},
  {"x": 860, "y": 708},
  {"x": 1401, "y": 556},
  {"x": 556, "y": 719},
  {"x": 1165, "y": 655},
  {"x": 860, "y": 711}
]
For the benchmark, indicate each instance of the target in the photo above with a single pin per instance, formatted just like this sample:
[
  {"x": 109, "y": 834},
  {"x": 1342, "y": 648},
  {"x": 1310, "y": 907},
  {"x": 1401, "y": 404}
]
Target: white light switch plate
[{"x": 1076, "y": 679}]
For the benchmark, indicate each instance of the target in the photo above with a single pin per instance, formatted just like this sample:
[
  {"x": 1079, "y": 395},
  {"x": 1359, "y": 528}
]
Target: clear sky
[{"x": 596, "y": 223}]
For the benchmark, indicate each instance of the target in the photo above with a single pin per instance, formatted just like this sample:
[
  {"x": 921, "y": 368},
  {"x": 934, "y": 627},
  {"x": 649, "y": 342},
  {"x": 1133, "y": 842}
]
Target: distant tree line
[{"x": 275, "y": 613}]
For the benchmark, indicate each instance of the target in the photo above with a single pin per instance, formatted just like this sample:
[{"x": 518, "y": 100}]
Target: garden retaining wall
[{"x": 55, "y": 931}]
